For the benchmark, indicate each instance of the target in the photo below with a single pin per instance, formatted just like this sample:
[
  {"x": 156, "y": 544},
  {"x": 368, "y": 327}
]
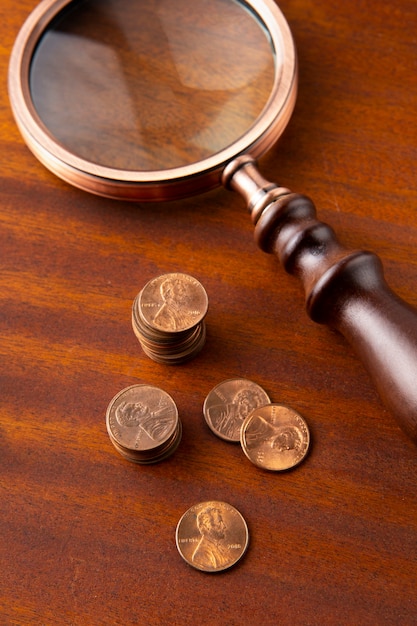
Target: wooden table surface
[{"x": 87, "y": 537}]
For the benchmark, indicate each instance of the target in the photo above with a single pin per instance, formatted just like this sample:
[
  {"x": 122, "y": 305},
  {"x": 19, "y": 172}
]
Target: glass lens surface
[{"x": 151, "y": 84}]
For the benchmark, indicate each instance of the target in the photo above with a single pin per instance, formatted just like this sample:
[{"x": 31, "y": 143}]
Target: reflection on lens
[{"x": 151, "y": 85}]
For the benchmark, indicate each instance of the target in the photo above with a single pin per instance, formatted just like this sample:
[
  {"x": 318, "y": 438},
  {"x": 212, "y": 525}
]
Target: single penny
[
  {"x": 173, "y": 303},
  {"x": 229, "y": 403},
  {"x": 212, "y": 536},
  {"x": 275, "y": 437}
]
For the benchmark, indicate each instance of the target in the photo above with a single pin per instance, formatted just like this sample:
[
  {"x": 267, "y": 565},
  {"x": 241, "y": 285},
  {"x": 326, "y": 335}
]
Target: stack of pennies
[
  {"x": 168, "y": 318},
  {"x": 143, "y": 424}
]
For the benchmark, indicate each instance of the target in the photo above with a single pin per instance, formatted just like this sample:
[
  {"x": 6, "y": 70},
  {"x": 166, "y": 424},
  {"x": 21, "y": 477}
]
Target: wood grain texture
[{"x": 89, "y": 538}]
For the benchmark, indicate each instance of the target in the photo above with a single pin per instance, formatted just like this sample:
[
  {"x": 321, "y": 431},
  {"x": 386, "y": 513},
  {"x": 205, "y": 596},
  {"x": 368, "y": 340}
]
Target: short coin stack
[
  {"x": 143, "y": 424},
  {"x": 168, "y": 318}
]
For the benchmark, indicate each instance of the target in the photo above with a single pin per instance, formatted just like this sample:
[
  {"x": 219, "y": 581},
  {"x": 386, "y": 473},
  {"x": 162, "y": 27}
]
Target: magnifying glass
[{"x": 152, "y": 100}]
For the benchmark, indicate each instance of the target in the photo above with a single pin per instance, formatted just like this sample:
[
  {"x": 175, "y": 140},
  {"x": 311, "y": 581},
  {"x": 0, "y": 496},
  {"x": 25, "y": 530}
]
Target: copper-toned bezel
[{"x": 164, "y": 184}]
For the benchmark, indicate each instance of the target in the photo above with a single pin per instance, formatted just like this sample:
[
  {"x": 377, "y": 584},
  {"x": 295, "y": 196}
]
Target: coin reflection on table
[
  {"x": 143, "y": 424},
  {"x": 212, "y": 536},
  {"x": 275, "y": 437},
  {"x": 168, "y": 318},
  {"x": 229, "y": 403}
]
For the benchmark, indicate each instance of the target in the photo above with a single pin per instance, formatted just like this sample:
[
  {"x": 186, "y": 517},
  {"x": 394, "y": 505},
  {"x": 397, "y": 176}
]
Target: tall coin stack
[{"x": 168, "y": 318}]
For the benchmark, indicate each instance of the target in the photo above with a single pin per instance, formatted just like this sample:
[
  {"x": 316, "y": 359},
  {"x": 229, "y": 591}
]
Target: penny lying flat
[
  {"x": 212, "y": 536},
  {"x": 143, "y": 424},
  {"x": 275, "y": 437},
  {"x": 229, "y": 403},
  {"x": 173, "y": 302}
]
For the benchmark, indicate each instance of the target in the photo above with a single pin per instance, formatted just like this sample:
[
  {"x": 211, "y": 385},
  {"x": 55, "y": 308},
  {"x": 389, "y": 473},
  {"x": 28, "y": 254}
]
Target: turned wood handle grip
[{"x": 344, "y": 289}]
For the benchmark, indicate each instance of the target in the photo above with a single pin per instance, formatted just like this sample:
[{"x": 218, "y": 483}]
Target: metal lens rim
[{"x": 157, "y": 185}]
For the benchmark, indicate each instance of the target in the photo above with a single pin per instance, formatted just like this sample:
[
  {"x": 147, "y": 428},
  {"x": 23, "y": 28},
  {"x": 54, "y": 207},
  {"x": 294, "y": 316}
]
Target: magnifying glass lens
[{"x": 151, "y": 85}]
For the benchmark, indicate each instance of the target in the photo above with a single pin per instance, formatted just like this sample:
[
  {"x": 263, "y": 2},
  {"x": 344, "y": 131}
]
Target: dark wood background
[{"x": 88, "y": 538}]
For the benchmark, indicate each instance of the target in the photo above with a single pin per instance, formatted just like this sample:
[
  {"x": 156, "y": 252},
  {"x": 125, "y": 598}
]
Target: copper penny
[
  {"x": 212, "y": 536},
  {"x": 143, "y": 424},
  {"x": 275, "y": 437},
  {"x": 229, "y": 403},
  {"x": 173, "y": 303}
]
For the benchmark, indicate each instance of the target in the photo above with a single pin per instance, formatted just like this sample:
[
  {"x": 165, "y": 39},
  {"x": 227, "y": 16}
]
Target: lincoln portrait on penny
[
  {"x": 155, "y": 424},
  {"x": 211, "y": 551}
]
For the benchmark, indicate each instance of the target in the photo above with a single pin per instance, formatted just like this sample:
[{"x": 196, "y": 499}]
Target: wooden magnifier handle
[{"x": 344, "y": 289}]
